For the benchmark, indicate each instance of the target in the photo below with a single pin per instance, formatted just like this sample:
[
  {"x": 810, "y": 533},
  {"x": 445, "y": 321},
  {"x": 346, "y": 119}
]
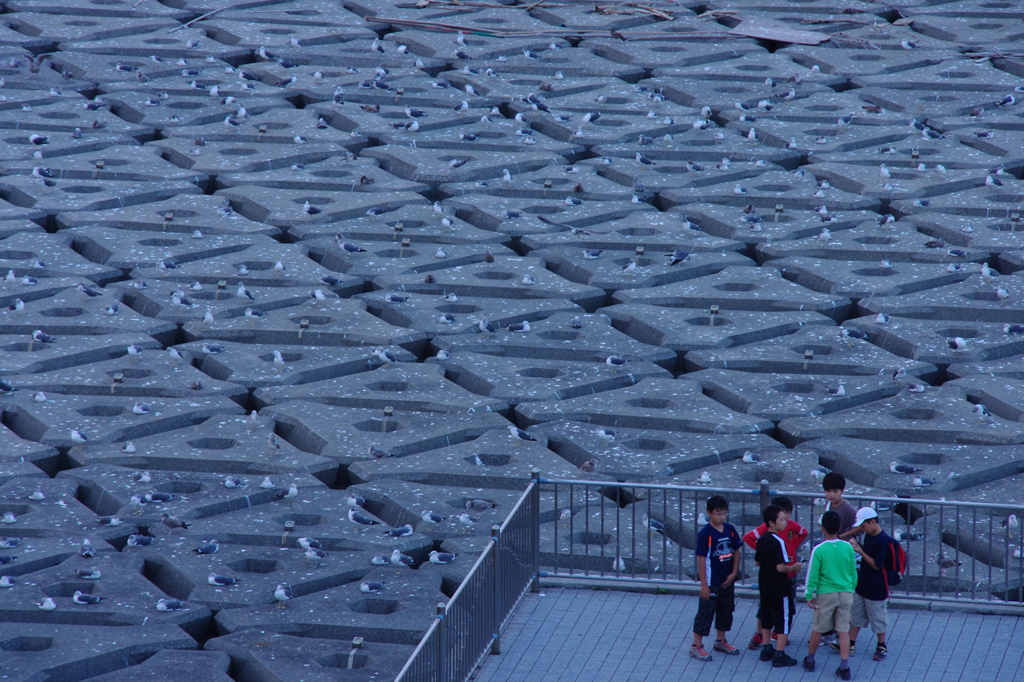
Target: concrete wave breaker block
[
  {"x": 645, "y": 454},
  {"x": 504, "y": 278},
  {"x": 942, "y": 415},
  {"x": 406, "y": 387},
  {"x": 786, "y": 396},
  {"x": 679, "y": 406},
  {"x": 986, "y": 303},
  {"x": 953, "y": 467},
  {"x": 495, "y": 460},
  {"x": 346, "y": 434},
  {"x": 684, "y": 329},
  {"x": 95, "y": 417},
  {"x": 316, "y": 324},
  {"x": 556, "y": 338},
  {"x": 231, "y": 446},
  {"x": 738, "y": 288},
  {"x": 519, "y": 380},
  {"x": 440, "y": 316},
  {"x": 813, "y": 351}
]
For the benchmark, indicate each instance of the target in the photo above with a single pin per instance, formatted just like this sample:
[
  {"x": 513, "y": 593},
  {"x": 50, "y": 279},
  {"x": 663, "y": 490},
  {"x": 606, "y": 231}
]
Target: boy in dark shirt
[
  {"x": 718, "y": 562},
  {"x": 774, "y": 582},
  {"x": 870, "y": 599},
  {"x": 794, "y": 535}
]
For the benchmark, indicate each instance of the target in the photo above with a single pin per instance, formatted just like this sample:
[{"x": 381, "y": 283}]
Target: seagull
[
  {"x": 851, "y": 334},
  {"x": 922, "y": 481},
  {"x": 441, "y": 557},
  {"x": 479, "y": 505},
  {"x": 86, "y": 549},
  {"x": 9, "y": 543},
  {"x": 47, "y": 604},
  {"x": 957, "y": 343},
  {"x": 653, "y": 525},
  {"x": 614, "y": 361},
  {"x": 141, "y": 408},
  {"x": 377, "y": 453},
  {"x": 309, "y": 543},
  {"x": 1011, "y": 523},
  {"x": 109, "y": 520},
  {"x": 898, "y": 468},
  {"x": 41, "y": 337},
  {"x": 838, "y": 391},
  {"x": 528, "y": 280},
  {"x": 751, "y": 457},
  {"x": 210, "y": 547},
  {"x": 400, "y": 532},
  {"x": 169, "y": 604},
  {"x": 7, "y": 581},
  {"x": 371, "y": 587},
  {"x": 705, "y": 477},
  {"x": 282, "y": 594},
  {"x": 881, "y": 318},
  {"x": 77, "y": 437},
  {"x": 356, "y": 517},
  {"x": 518, "y": 434},
  {"x": 606, "y": 435},
  {"x": 85, "y": 599},
  {"x": 384, "y": 355},
  {"x": 232, "y": 481},
  {"x": 899, "y": 536},
  {"x": 399, "y": 559},
  {"x": 173, "y": 522},
  {"x": 212, "y": 348},
  {"x": 523, "y": 326},
  {"x": 678, "y": 256},
  {"x": 431, "y": 517},
  {"x": 467, "y": 521}
]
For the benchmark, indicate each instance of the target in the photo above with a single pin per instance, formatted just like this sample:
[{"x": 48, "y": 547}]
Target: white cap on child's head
[{"x": 863, "y": 514}]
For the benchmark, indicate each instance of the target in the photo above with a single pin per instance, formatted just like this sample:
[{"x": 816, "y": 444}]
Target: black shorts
[
  {"x": 792, "y": 595},
  {"x": 717, "y": 609},
  {"x": 777, "y": 613}
]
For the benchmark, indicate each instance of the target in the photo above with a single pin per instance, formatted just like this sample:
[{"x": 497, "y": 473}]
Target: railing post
[
  {"x": 442, "y": 661},
  {"x": 535, "y": 528},
  {"x": 496, "y": 590},
  {"x": 764, "y": 494}
]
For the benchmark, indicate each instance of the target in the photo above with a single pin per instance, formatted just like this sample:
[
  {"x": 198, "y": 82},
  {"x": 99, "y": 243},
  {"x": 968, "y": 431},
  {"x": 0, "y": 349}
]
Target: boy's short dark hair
[
  {"x": 784, "y": 502},
  {"x": 771, "y": 513},
  {"x": 833, "y": 481},
  {"x": 830, "y": 522},
  {"x": 716, "y": 502}
]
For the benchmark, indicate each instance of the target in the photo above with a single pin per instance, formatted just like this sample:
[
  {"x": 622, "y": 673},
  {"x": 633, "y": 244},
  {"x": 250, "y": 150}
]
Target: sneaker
[
  {"x": 808, "y": 665},
  {"x": 831, "y": 639},
  {"x": 880, "y": 652},
  {"x": 767, "y": 653},
  {"x": 843, "y": 673},
  {"x": 699, "y": 652},
  {"x": 835, "y": 646},
  {"x": 726, "y": 648},
  {"x": 783, "y": 660},
  {"x": 755, "y": 641}
]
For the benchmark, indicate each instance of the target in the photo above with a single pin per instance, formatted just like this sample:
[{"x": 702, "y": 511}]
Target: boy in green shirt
[{"x": 831, "y": 580}]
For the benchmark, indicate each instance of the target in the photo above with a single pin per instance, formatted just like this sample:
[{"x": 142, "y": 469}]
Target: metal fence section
[
  {"x": 956, "y": 551},
  {"x": 469, "y": 626}
]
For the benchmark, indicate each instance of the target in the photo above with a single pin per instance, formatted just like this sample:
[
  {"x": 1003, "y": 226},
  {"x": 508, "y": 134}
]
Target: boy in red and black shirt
[{"x": 794, "y": 535}]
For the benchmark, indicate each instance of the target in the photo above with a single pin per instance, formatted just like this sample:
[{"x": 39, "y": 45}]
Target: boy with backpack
[
  {"x": 793, "y": 535},
  {"x": 718, "y": 562},
  {"x": 831, "y": 579},
  {"x": 880, "y": 563}
]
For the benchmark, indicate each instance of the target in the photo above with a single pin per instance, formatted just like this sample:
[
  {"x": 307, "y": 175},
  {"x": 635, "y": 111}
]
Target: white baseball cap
[{"x": 863, "y": 514}]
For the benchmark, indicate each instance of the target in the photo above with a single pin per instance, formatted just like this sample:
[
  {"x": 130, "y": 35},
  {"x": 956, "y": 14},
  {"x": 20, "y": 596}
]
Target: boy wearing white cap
[{"x": 871, "y": 597}]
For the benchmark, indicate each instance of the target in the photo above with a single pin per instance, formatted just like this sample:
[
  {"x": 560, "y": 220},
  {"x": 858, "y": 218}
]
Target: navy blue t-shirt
[
  {"x": 717, "y": 550},
  {"x": 871, "y": 581}
]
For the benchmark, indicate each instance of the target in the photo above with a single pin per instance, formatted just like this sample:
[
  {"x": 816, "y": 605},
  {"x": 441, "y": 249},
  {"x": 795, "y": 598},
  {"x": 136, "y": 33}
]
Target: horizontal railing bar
[{"x": 793, "y": 493}]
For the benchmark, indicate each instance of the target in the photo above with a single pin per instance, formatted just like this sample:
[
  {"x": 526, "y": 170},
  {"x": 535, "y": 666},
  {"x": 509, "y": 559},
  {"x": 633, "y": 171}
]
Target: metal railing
[
  {"x": 956, "y": 551},
  {"x": 469, "y": 626}
]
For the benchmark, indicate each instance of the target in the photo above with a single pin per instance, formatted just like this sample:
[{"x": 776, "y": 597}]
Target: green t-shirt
[{"x": 833, "y": 568}]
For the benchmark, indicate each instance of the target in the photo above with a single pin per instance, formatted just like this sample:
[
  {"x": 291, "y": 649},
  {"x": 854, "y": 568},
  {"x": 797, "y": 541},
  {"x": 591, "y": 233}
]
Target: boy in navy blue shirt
[{"x": 718, "y": 562}]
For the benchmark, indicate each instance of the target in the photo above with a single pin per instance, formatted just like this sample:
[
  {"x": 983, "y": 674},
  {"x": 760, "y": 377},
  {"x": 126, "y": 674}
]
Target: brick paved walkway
[{"x": 576, "y": 635}]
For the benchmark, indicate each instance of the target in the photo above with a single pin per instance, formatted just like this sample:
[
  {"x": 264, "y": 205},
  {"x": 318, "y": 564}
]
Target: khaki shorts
[
  {"x": 868, "y": 612},
  {"x": 833, "y": 612}
]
